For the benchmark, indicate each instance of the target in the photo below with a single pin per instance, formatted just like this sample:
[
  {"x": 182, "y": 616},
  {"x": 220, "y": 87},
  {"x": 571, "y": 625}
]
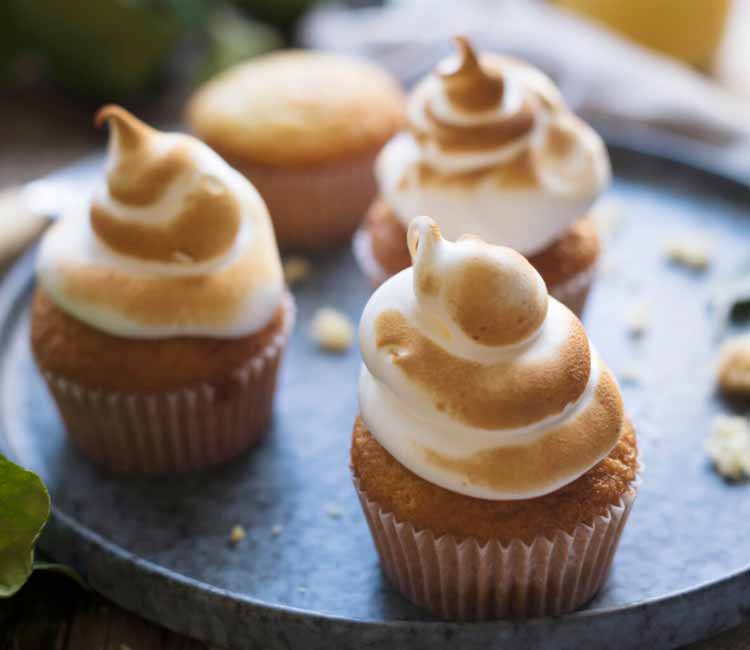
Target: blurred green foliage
[
  {"x": 280, "y": 13},
  {"x": 233, "y": 38},
  {"x": 10, "y": 39},
  {"x": 113, "y": 49},
  {"x": 106, "y": 47}
]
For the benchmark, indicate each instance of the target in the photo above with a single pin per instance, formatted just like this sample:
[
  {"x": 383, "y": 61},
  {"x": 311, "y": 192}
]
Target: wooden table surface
[{"x": 39, "y": 132}]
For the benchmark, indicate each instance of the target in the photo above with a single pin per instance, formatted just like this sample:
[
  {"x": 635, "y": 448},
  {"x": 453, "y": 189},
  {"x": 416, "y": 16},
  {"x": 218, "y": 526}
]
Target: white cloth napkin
[{"x": 602, "y": 75}]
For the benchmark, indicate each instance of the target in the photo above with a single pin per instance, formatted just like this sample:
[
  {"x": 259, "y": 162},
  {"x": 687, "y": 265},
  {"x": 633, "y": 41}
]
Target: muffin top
[
  {"x": 296, "y": 108},
  {"x": 476, "y": 380},
  {"x": 492, "y": 149},
  {"x": 174, "y": 242}
]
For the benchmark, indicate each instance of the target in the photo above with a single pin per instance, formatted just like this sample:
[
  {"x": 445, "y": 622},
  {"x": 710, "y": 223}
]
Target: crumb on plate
[
  {"x": 691, "y": 251},
  {"x": 631, "y": 374},
  {"x": 729, "y": 446},
  {"x": 296, "y": 269},
  {"x": 276, "y": 530},
  {"x": 334, "y": 512},
  {"x": 638, "y": 319},
  {"x": 332, "y": 330},
  {"x": 734, "y": 366},
  {"x": 237, "y": 534}
]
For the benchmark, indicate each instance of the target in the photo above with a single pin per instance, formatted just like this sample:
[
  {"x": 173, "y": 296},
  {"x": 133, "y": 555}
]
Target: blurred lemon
[{"x": 689, "y": 30}]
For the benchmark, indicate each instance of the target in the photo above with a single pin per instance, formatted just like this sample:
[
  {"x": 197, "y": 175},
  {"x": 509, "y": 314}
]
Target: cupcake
[
  {"x": 491, "y": 150},
  {"x": 160, "y": 314},
  {"x": 492, "y": 457},
  {"x": 305, "y": 128}
]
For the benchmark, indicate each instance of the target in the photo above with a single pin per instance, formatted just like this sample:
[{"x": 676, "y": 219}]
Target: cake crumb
[
  {"x": 276, "y": 530},
  {"x": 690, "y": 251},
  {"x": 630, "y": 374},
  {"x": 237, "y": 535},
  {"x": 729, "y": 446},
  {"x": 302, "y": 590},
  {"x": 638, "y": 319},
  {"x": 333, "y": 512},
  {"x": 332, "y": 330},
  {"x": 734, "y": 367},
  {"x": 296, "y": 269}
]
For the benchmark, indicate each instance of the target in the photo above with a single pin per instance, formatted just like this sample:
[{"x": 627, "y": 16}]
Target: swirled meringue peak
[
  {"x": 174, "y": 242},
  {"x": 492, "y": 149},
  {"x": 476, "y": 380}
]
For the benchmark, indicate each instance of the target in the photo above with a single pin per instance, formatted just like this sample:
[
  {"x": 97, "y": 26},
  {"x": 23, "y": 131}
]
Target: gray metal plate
[{"x": 159, "y": 547}]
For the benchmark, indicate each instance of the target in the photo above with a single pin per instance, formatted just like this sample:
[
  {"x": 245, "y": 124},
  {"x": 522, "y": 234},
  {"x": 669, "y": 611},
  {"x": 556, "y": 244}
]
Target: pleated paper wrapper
[
  {"x": 176, "y": 431},
  {"x": 470, "y": 580},
  {"x": 315, "y": 207}
]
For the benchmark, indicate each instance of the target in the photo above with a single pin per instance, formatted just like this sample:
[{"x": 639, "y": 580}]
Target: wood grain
[{"x": 53, "y": 613}]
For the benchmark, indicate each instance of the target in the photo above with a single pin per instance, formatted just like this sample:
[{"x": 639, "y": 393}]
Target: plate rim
[{"x": 61, "y": 528}]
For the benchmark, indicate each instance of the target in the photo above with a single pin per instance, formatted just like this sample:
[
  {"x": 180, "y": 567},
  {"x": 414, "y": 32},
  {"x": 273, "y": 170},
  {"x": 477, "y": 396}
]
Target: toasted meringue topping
[
  {"x": 478, "y": 381},
  {"x": 173, "y": 243},
  {"x": 468, "y": 86},
  {"x": 493, "y": 149},
  {"x": 138, "y": 174},
  {"x": 144, "y": 166},
  {"x": 465, "y": 107}
]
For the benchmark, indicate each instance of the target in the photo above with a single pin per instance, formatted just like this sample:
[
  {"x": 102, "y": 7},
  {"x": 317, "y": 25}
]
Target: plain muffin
[{"x": 305, "y": 128}]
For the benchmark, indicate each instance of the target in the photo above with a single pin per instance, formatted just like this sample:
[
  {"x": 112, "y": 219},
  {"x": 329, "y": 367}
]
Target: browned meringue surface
[
  {"x": 470, "y": 87},
  {"x": 497, "y": 396},
  {"x": 477, "y": 90},
  {"x": 492, "y": 149},
  {"x": 476, "y": 380},
  {"x": 573, "y": 447},
  {"x": 174, "y": 242}
]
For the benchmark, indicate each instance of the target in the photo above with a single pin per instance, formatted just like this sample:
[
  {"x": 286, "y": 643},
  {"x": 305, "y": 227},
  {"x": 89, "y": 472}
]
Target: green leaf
[
  {"x": 233, "y": 38},
  {"x": 24, "y": 509}
]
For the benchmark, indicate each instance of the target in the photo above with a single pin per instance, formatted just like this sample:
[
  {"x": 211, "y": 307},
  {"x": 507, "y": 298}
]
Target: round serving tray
[{"x": 307, "y": 575}]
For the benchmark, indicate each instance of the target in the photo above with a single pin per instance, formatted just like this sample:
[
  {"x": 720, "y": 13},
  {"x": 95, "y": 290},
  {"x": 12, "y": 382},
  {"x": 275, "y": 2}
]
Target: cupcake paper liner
[
  {"x": 176, "y": 431},
  {"x": 573, "y": 293},
  {"x": 315, "y": 207},
  {"x": 471, "y": 580}
]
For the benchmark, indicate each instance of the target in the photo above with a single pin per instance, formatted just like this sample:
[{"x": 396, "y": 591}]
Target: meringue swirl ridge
[
  {"x": 466, "y": 107},
  {"x": 174, "y": 242},
  {"x": 506, "y": 401},
  {"x": 141, "y": 175}
]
